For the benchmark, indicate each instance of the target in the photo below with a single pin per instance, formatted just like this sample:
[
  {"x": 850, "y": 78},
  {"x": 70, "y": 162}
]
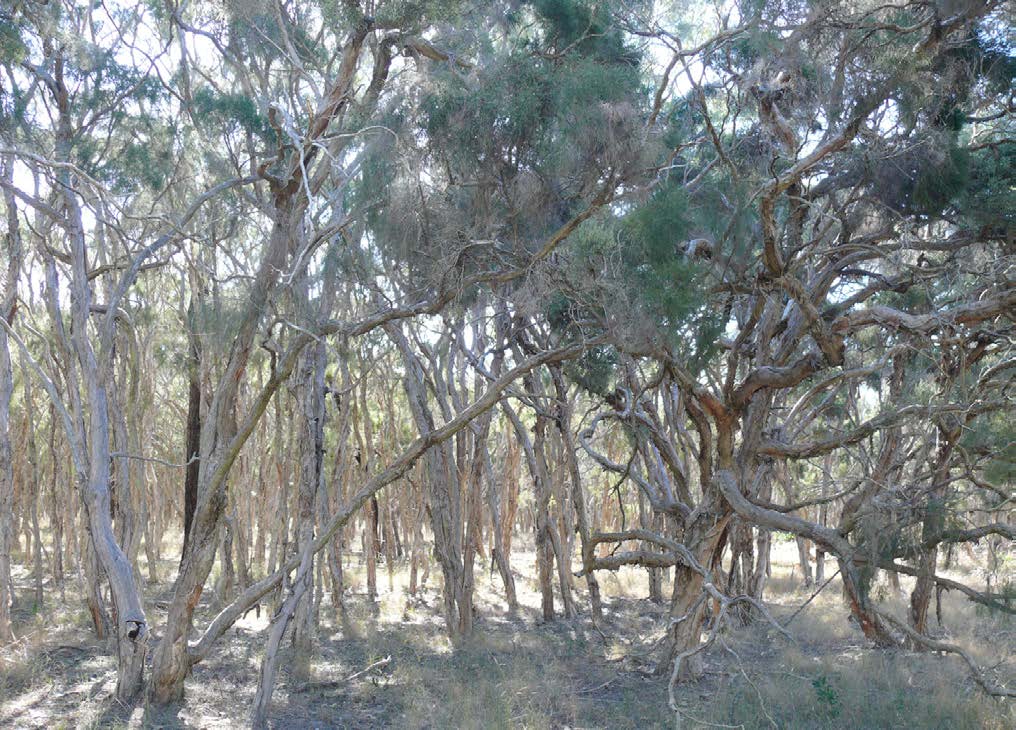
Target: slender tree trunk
[
  {"x": 8, "y": 302},
  {"x": 220, "y": 445},
  {"x": 499, "y": 551},
  {"x": 948, "y": 432},
  {"x": 537, "y": 469},
  {"x": 803, "y": 560},
  {"x": 445, "y": 498},
  {"x": 193, "y": 427},
  {"x": 57, "y": 504},
  {"x": 655, "y": 577},
  {"x": 270, "y": 662},
  {"x": 34, "y": 480},
  {"x": 823, "y": 518},
  {"x": 311, "y": 402},
  {"x": 370, "y": 548}
]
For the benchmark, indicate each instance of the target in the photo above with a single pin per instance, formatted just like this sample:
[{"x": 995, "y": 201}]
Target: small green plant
[
  {"x": 1005, "y": 596},
  {"x": 827, "y": 695}
]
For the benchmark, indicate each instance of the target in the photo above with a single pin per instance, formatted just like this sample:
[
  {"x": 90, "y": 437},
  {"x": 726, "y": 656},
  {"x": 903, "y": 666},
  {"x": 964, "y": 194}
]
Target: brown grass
[{"x": 518, "y": 672}]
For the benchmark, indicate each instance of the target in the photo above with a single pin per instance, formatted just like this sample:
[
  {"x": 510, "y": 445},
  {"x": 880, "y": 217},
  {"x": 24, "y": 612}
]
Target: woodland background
[{"x": 531, "y": 363}]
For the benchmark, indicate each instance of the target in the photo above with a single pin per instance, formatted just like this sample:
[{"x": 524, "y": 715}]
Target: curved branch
[
  {"x": 966, "y": 314},
  {"x": 975, "y": 671},
  {"x": 776, "y": 377},
  {"x": 877, "y": 423}
]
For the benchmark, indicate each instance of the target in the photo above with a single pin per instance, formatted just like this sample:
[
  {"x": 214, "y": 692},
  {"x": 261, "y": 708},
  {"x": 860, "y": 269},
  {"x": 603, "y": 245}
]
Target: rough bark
[
  {"x": 8, "y": 301},
  {"x": 193, "y": 426}
]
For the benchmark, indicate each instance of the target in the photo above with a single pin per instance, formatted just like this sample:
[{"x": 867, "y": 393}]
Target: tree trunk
[
  {"x": 8, "y": 307},
  {"x": 34, "y": 479},
  {"x": 8, "y": 300},
  {"x": 270, "y": 662},
  {"x": 193, "y": 427},
  {"x": 311, "y": 403},
  {"x": 499, "y": 551},
  {"x": 687, "y": 606},
  {"x": 948, "y": 432},
  {"x": 803, "y": 561}
]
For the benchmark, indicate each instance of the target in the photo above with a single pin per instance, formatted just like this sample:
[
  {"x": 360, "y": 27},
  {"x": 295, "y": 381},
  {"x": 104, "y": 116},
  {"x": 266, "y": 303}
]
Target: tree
[{"x": 723, "y": 273}]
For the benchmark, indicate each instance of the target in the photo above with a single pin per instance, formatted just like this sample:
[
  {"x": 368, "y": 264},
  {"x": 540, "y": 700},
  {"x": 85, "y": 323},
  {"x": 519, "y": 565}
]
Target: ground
[{"x": 520, "y": 672}]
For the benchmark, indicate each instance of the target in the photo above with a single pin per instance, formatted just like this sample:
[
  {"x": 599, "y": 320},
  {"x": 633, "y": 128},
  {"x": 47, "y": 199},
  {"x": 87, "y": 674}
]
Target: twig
[
  {"x": 339, "y": 682},
  {"x": 758, "y": 692},
  {"x": 975, "y": 671},
  {"x": 813, "y": 595},
  {"x": 597, "y": 688}
]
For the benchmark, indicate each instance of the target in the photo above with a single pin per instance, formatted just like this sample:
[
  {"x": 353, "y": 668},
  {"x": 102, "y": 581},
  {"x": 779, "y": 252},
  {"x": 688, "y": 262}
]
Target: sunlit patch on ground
[{"x": 521, "y": 672}]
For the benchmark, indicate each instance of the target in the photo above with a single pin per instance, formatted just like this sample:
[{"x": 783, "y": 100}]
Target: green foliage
[
  {"x": 585, "y": 26},
  {"x": 993, "y": 436},
  {"x": 255, "y": 30},
  {"x": 214, "y": 111},
  {"x": 653, "y": 264},
  {"x": 989, "y": 197},
  {"x": 545, "y": 116},
  {"x": 144, "y": 158},
  {"x": 12, "y": 108},
  {"x": 827, "y": 695},
  {"x": 980, "y": 58},
  {"x": 594, "y": 370},
  {"x": 632, "y": 270},
  {"x": 937, "y": 172},
  {"x": 401, "y": 13},
  {"x": 542, "y": 113},
  {"x": 108, "y": 83},
  {"x": 942, "y": 179},
  {"x": 749, "y": 48},
  {"x": 922, "y": 179},
  {"x": 916, "y": 298},
  {"x": 506, "y": 109},
  {"x": 12, "y": 48},
  {"x": 664, "y": 277}
]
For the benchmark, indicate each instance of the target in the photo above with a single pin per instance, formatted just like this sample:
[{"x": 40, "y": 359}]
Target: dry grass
[{"x": 518, "y": 672}]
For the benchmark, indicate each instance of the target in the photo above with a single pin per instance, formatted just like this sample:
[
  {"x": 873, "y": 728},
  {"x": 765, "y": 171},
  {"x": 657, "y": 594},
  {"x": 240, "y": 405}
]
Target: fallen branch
[
  {"x": 813, "y": 595},
  {"x": 975, "y": 671},
  {"x": 380, "y": 663}
]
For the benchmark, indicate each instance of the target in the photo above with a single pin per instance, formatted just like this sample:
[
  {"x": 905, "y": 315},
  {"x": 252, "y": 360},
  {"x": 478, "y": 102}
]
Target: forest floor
[{"x": 519, "y": 671}]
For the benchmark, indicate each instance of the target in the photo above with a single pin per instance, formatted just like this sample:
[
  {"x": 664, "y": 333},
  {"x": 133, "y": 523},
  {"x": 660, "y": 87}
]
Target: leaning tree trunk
[
  {"x": 297, "y": 605},
  {"x": 444, "y": 491},
  {"x": 499, "y": 551},
  {"x": 541, "y": 490},
  {"x": 578, "y": 494},
  {"x": 220, "y": 438},
  {"x": 269, "y": 665},
  {"x": 129, "y": 622},
  {"x": 220, "y": 444}
]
